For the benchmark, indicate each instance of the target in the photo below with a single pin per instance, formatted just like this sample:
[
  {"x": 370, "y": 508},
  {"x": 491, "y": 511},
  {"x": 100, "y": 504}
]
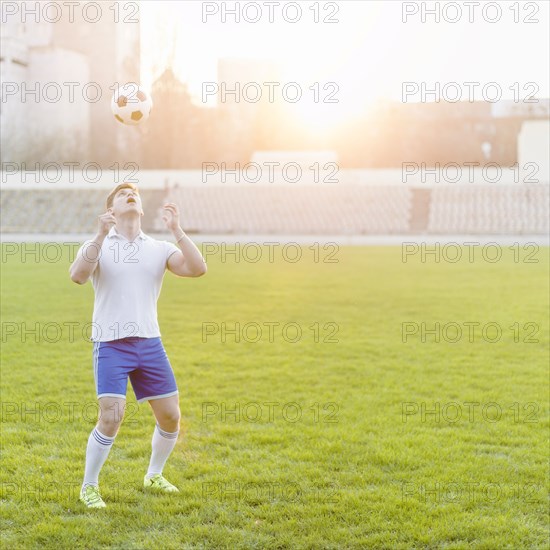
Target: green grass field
[{"x": 348, "y": 438}]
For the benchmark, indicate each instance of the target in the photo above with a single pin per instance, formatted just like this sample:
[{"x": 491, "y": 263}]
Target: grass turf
[{"x": 349, "y": 437}]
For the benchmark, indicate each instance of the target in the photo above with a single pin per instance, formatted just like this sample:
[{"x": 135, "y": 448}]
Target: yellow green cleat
[
  {"x": 91, "y": 498},
  {"x": 159, "y": 484}
]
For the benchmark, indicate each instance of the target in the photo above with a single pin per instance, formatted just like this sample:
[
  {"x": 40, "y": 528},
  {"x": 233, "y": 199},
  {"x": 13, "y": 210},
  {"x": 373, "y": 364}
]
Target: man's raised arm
[{"x": 86, "y": 262}]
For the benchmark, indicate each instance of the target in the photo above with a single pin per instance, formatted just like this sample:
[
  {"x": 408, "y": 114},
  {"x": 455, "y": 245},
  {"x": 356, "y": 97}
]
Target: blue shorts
[{"x": 142, "y": 359}]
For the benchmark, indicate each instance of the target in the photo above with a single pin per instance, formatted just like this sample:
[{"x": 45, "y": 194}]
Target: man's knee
[
  {"x": 108, "y": 427},
  {"x": 169, "y": 419},
  {"x": 172, "y": 416},
  {"x": 110, "y": 418}
]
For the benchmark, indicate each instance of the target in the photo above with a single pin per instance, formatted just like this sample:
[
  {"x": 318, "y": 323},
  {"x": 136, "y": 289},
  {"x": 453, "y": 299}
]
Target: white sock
[
  {"x": 97, "y": 451},
  {"x": 163, "y": 443}
]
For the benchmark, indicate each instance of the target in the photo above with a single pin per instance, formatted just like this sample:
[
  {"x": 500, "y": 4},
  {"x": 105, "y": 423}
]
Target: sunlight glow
[{"x": 368, "y": 54}]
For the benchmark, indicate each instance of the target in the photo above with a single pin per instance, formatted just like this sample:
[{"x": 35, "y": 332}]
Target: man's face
[{"x": 127, "y": 201}]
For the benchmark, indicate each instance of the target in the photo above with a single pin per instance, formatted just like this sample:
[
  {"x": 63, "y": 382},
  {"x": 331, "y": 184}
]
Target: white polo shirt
[{"x": 127, "y": 283}]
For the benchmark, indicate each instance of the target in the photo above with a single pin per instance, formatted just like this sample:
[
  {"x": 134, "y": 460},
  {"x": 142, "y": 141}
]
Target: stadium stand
[
  {"x": 297, "y": 210},
  {"x": 489, "y": 209},
  {"x": 62, "y": 210},
  {"x": 342, "y": 209}
]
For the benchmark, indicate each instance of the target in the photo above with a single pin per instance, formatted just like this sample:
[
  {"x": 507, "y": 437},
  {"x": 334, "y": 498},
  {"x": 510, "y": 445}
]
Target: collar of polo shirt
[{"x": 114, "y": 233}]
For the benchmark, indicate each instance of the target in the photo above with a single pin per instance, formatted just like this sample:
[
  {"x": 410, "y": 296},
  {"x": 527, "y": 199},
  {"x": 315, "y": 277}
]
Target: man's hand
[
  {"x": 105, "y": 222},
  {"x": 171, "y": 216}
]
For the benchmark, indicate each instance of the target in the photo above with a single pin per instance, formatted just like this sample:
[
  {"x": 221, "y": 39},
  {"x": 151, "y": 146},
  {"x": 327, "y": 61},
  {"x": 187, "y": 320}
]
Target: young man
[{"x": 127, "y": 267}]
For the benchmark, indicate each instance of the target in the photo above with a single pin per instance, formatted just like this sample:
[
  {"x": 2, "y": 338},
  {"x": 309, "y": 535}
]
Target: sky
[{"x": 369, "y": 51}]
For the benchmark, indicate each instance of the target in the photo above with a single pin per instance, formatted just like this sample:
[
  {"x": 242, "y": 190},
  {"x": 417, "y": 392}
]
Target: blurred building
[
  {"x": 42, "y": 60},
  {"x": 180, "y": 134},
  {"x": 430, "y": 133},
  {"x": 249, "y": 118},
  {"x": 57, "y": 82},
  {"x": 533, "y": 140}
]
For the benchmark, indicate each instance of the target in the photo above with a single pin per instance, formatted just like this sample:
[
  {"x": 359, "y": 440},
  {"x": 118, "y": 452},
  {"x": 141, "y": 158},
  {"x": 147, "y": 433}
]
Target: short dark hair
[{"x": 112, "y": 194}]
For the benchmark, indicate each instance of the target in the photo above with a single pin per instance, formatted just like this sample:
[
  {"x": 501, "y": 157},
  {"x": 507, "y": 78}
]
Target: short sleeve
[
  {"x": 82, "y": 249},
  {"x": 169, "y": 248}
]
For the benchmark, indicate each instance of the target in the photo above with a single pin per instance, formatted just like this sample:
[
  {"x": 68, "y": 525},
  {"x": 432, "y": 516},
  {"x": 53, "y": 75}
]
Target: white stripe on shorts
[{"x": 95, "y": 363}]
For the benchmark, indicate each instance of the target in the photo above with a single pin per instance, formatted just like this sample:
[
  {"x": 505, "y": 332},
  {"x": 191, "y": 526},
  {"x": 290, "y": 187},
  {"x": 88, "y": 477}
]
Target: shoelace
[
  {"x": 92, "y": 496},
  {"x": 161, "y": 482}
]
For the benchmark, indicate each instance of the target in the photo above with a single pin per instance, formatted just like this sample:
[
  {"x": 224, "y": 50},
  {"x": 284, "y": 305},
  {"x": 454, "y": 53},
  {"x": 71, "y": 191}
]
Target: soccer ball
[{"x": 131, "y": 104}]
